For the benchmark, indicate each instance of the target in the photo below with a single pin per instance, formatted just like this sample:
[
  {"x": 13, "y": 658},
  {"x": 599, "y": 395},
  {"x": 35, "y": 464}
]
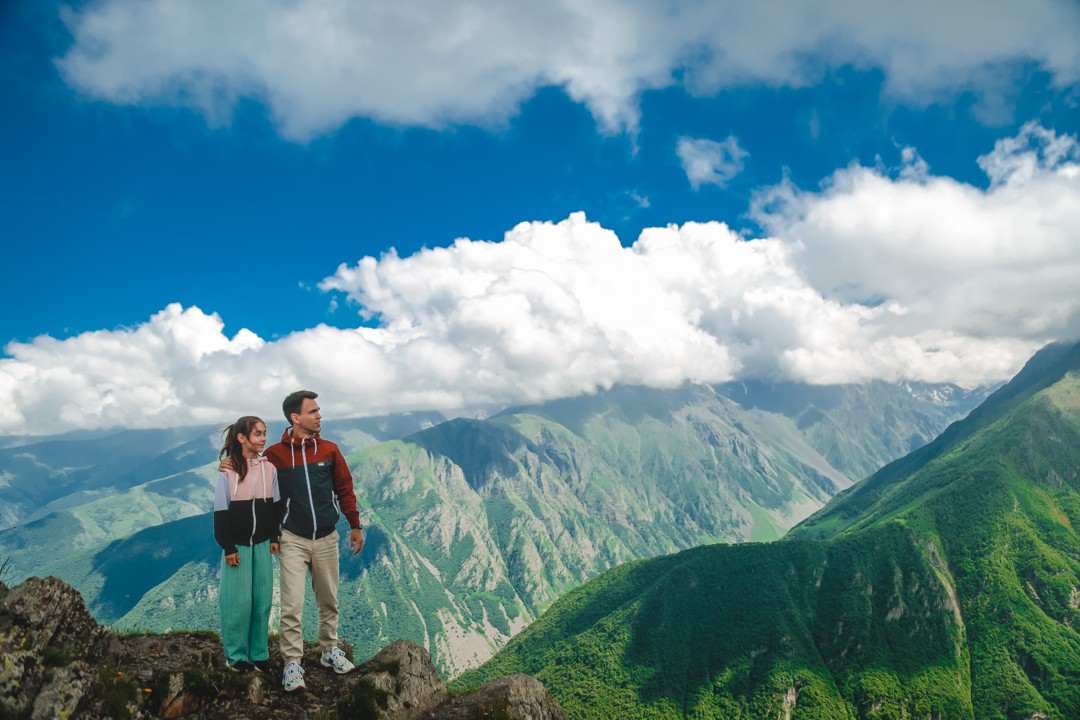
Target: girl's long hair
[{"x": 232, "y": 448}]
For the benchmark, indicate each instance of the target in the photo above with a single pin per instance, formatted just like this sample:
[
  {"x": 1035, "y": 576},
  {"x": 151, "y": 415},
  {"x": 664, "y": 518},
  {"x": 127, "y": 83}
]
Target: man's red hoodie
[{"x": 315, "y": 484}]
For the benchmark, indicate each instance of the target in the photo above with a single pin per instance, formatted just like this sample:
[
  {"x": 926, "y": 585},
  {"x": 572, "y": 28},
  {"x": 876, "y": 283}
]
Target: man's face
[{"x": 309, "y": 420}]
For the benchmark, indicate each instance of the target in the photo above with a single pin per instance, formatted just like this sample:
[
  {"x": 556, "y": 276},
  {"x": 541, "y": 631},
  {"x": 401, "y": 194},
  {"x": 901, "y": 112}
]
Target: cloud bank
[
  {"x": 878, "y": 274},
  {"x": 318, "y": 63}
]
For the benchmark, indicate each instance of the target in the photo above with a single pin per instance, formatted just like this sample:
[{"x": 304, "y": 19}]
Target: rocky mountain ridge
[{"x": 57, "y": 662}]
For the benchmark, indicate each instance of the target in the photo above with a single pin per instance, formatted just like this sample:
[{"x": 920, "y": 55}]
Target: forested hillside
[{"x": 945, "y": 585}]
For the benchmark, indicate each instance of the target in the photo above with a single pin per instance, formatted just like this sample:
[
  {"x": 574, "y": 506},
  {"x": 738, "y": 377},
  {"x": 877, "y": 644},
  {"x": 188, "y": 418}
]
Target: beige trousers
[{"x": 297, "y": 557}]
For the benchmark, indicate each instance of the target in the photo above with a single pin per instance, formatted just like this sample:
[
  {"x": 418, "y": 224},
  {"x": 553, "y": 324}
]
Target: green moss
[
  {"x": 117, "y": 693},
  {"x": 57, "y": 657},
  {"x": 365, "y": 701}
]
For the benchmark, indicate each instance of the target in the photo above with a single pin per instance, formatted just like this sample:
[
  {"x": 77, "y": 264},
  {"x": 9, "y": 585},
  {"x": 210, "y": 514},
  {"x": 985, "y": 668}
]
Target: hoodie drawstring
[
  {"x": 292, "y": 446},
  {"x": 255, "y": 498},
  {"x": 311, "y": 500}
]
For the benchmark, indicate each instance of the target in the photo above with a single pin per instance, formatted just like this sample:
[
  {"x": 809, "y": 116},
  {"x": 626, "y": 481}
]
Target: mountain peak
[{"x": 881, "y": 493}]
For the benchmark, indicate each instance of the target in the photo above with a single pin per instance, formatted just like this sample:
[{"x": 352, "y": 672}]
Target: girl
[{"x": 246, "y": 507}]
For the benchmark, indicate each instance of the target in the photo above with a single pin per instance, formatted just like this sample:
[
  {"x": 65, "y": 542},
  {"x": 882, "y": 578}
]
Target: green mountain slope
[
  {"x": 947, "y": 585},
  {"x": 63, "y": 472},
  {"x": 886, "y": 489},
  {"x": 100, "y": 519},
  {"x": 488, "y": 522}
]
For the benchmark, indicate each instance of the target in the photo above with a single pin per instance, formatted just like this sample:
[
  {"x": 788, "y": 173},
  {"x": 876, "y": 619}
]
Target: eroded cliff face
[{"x": 57, "y": 662}]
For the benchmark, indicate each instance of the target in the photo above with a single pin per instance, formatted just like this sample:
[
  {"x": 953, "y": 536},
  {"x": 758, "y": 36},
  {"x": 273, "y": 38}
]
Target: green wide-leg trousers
[{"x": 245, "y": 597}]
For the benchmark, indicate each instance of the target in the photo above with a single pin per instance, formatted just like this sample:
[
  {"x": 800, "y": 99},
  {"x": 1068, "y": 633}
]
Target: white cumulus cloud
[
  {"x": 708, "y": 162},
  {"x": 982, "y": 263},
  {"x": 877, "y": 274},
  {"x": 149, "y": 375},
  {"x": 318, "y": 63}
]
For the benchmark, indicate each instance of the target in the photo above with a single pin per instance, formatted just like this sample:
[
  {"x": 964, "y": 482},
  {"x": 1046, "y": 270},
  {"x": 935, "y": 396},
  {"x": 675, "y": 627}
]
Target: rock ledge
[{"x": 56, "y": 661}]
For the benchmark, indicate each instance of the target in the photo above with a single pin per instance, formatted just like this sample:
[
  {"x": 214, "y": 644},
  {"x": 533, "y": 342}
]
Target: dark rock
[
  {"x": 49, "y": 643},
  {"x": 518, "y": 697},
  {"x": 399, "y": 682},
  {"x": 56, "y": 661}
]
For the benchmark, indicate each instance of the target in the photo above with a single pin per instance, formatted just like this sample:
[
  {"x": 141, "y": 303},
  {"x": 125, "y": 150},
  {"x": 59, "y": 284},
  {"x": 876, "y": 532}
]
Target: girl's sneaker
[
  {"x": 337, "y": 660},
  {"x": 262, "y": 666},
  {"x": 240, "y": 666},
  {"x": 293, "y": 677}
]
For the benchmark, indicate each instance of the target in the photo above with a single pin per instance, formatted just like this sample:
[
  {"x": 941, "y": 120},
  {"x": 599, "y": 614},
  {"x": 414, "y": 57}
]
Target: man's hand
[
  {"x": 274, "y": 547},
  {"x": 356, "y": 540},
  {"x": 233, "y": 559},
  {"x": 225, "y": 464}
]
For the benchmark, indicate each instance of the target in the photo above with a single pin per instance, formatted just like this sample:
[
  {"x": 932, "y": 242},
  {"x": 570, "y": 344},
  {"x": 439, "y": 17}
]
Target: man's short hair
[{"x": 294, "y": 401}]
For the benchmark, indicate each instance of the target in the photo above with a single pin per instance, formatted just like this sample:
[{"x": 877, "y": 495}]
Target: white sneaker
[
  {"x": 293, "y": 677},
  {"x": 337, "y": 660}
]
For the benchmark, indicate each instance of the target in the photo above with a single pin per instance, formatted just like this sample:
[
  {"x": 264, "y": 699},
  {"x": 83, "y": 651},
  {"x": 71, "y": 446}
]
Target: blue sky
[{"x": 190, "y": 188}]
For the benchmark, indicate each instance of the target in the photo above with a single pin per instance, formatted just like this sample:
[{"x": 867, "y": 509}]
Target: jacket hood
[
  {"x": 288, "y": 439},
  {"x": 299, "y": 444}
]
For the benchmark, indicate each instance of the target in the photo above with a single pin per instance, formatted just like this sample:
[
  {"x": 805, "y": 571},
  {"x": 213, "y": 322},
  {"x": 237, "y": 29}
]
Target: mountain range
[
  {"x": 944, "y": 585},
  {"x": 474, "y": 527}
]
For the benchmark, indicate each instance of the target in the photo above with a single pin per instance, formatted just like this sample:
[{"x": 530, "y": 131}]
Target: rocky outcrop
[
  {"x": 517, "y": 696},
  {"x": 400, "y": 683},
  {"x": 57, "y": 662},
  {"x": 51, "y": 648}
]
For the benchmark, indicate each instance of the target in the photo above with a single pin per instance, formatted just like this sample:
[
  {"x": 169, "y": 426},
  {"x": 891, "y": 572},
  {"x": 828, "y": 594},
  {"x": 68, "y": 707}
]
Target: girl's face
[{"x": 255, "y": 442}]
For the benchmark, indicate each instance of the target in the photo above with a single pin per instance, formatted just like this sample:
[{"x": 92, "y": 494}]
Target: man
[{"x": 315, "y": 482}]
